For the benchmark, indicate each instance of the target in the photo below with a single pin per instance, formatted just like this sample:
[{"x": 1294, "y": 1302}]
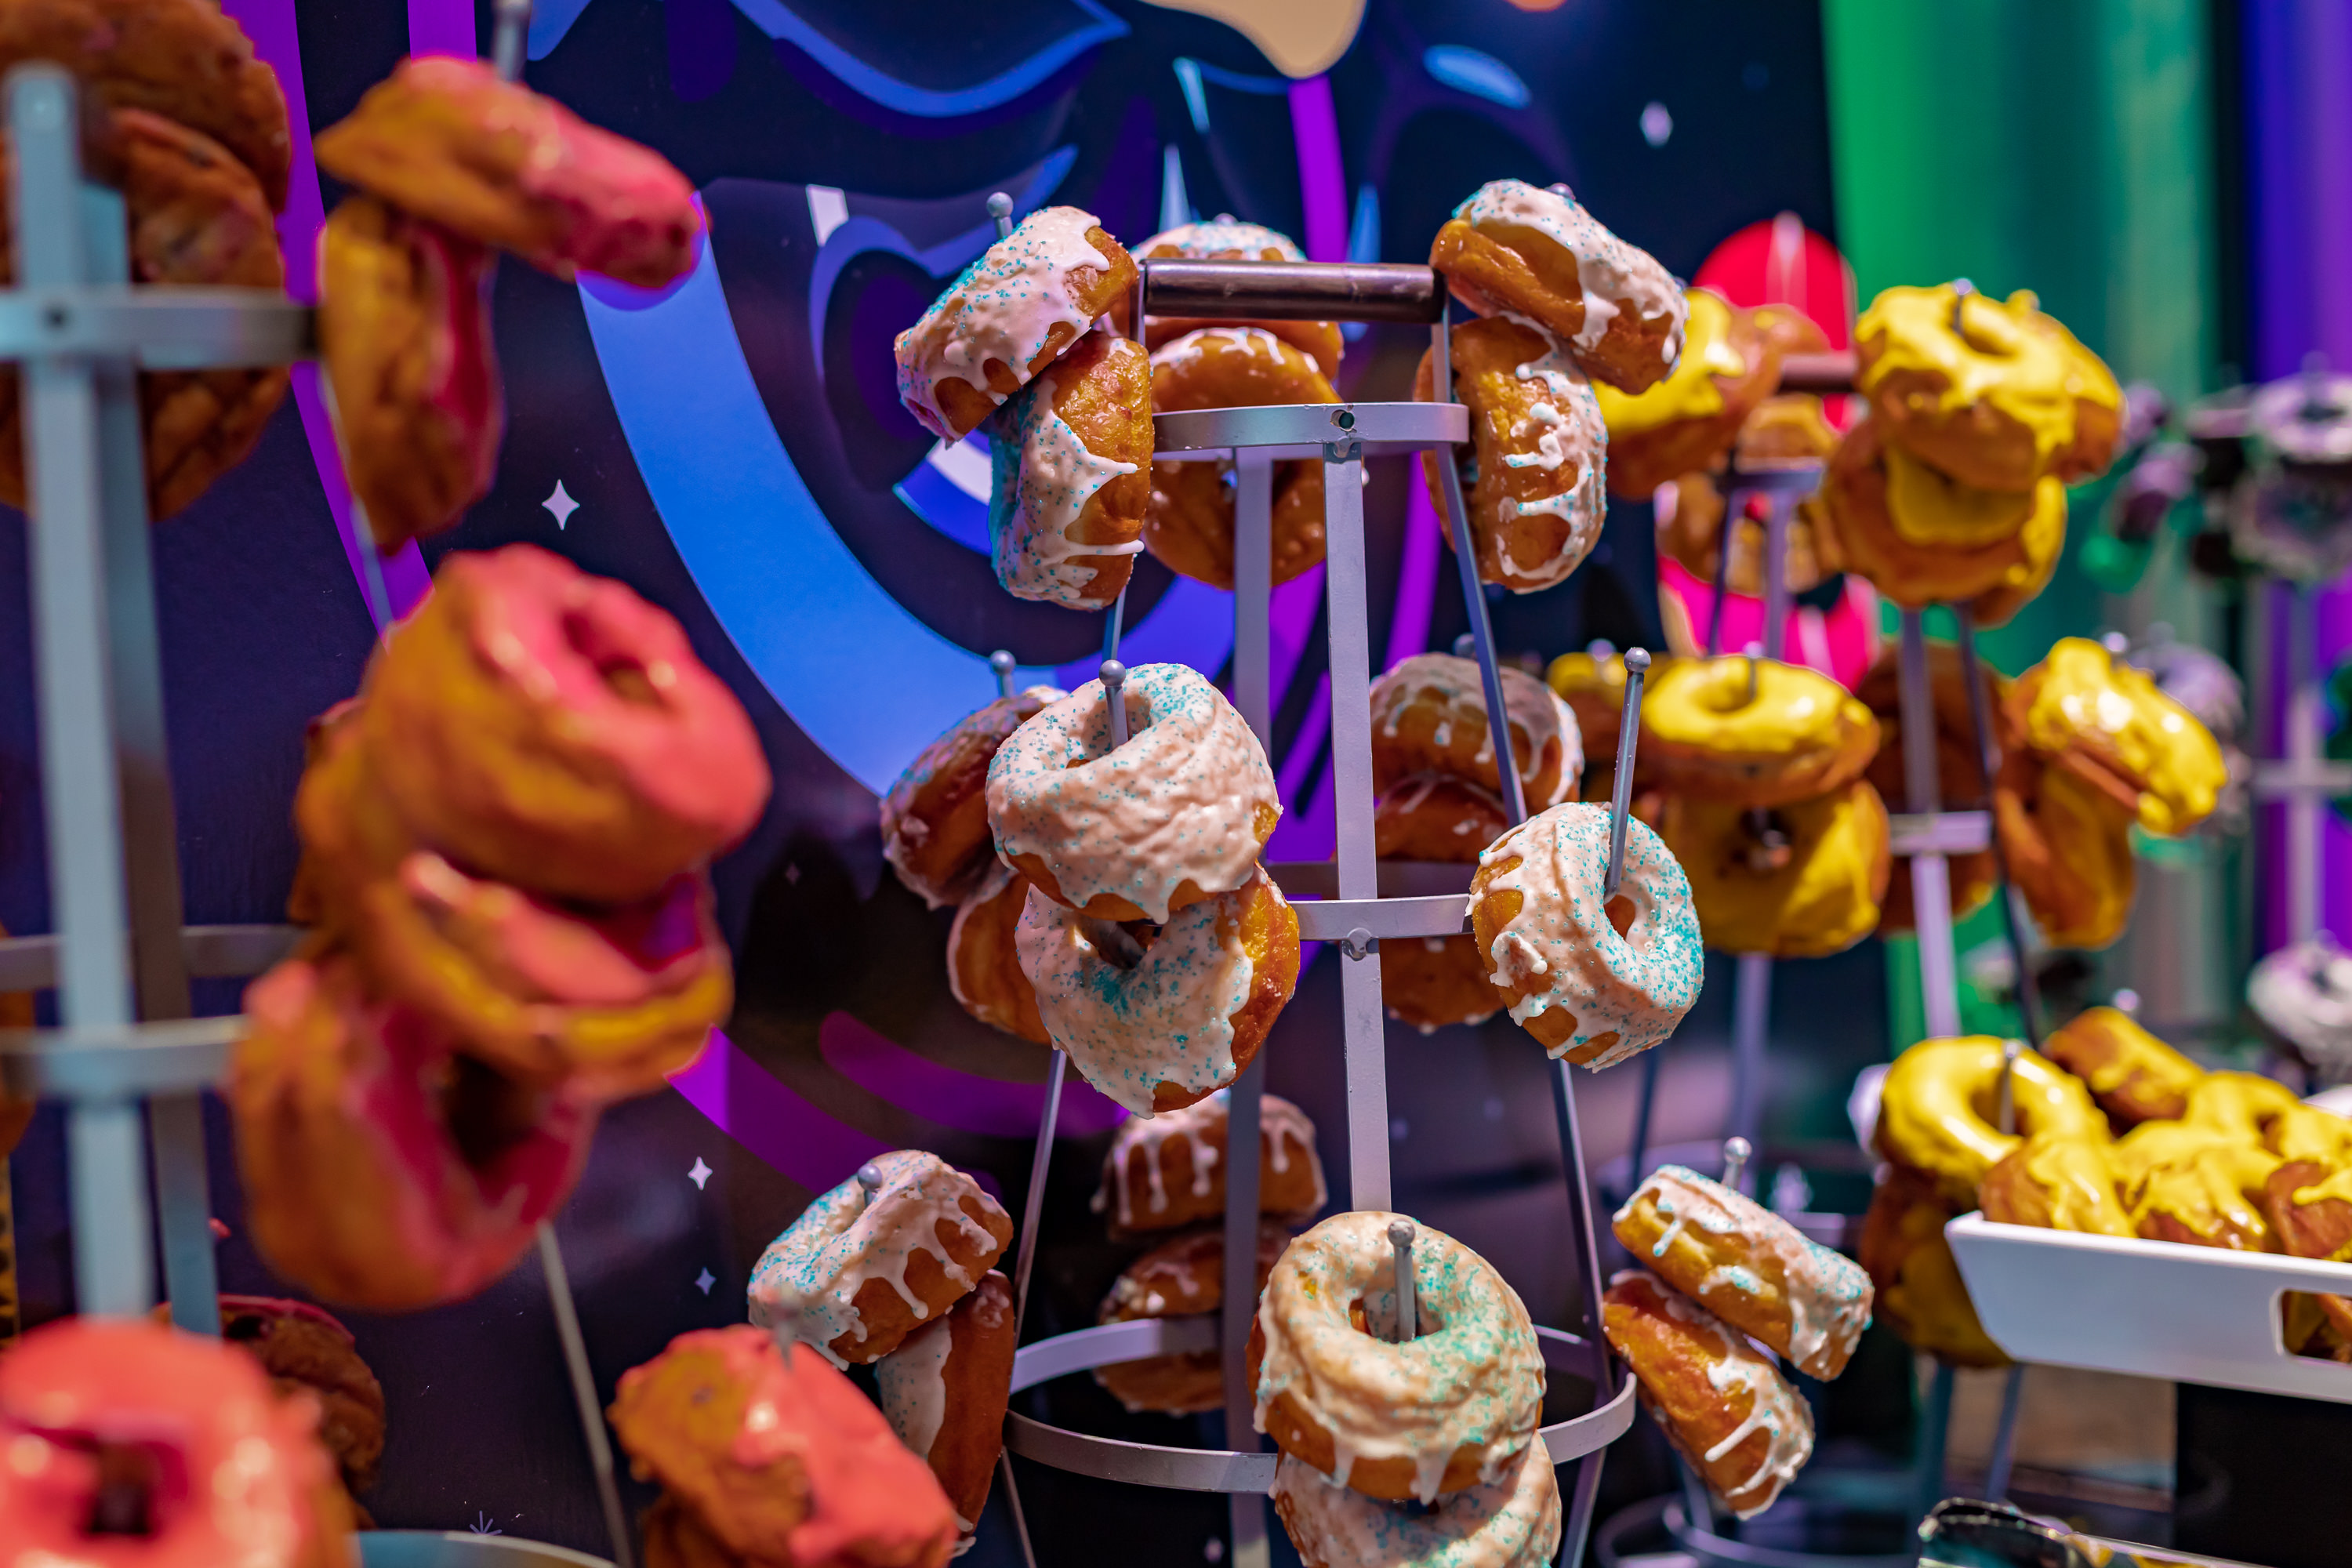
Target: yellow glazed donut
[
  {"x": 1990, "y": 405},
  {"x": 1920, "y": 1294},
  {"x": 2043, "y": 541},
  {"x": 2069, "y": 851},
  {"x": 2098, "y": 396},
  {"x": 1748, "y": 1267},
  {"x": 1015, "y": 310},
  {"x": 1175, "y": 816},
  {"x": 1512, "y": 1522},
  {"x": 1937, "y": 1107},
  {"x": 1447, "y": 1410},
  {"x": 2196, "y": 1185},
  {"x": 1512, "y": 247},
  {"x": 1429, "y": 715},
  {"x": 1690, "y": 511},
  {"x": 2134, "y": 1076},
  {"x": 1795, "y": 735},
  {"x": 1928, "y": 507},
  {"x": 1070, "y": 462},
  {"x": 1687, "y": 421},
  {"x": 1591, "y": 984},
  {"x": 2109, "y": 725},
  {"x": 1594, "y": 690},
  {"x": 1190, "y": 527},
  {"x": 2243, "y": 1106},
  {"x": 2056, "y": 1181},
  {"x": 1804, "y": 882},
  {"x": 1224, "y": 239},
  {"x": 1857, "y": 488},
  {"x": 2310, "y": 1194},
  {"x": 1538, "y": 445},
  {"x": 1184, "y": 1020}
]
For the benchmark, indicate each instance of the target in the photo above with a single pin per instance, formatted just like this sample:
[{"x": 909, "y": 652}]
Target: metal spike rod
[
  {"x": 1629, "y": 737},
  {"x": 1754, "y": 651},
  {"x": 1961, "y": 289},
  {"x": 2009, "y": 1051},
  {"x": 1000, "y": 209},
  {"x": 1001, "y": 661},
  {"x": 1114, "y": 680},
  {"x": 1737, "y": 1152},
  {"x": 1401, "y": 1237},
  {"x": 511, "y": 33}
]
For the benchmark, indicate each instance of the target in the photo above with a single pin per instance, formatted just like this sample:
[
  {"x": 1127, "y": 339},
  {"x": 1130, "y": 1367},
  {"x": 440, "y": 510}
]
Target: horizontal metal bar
[
  {"x": 1141, "y": 1464},
  {"x": 1306, "y": 429},
  {"x": 1818, "y": 372},
  {"x": 118, "y": 1061},
  {"x": 1939, "y": 832},
  {"x": 2277, "y": 781},
  {"x": 1799, "y": 477},
  {"x": 1329, "y": 920},
  {"x": 1399, "y": 878},
  {"x": 449, "y": 1549},
  {"x": 30, "y": 963},
  {"x": 1292, "y": 290},
  {"x": 160, "y": 328}
]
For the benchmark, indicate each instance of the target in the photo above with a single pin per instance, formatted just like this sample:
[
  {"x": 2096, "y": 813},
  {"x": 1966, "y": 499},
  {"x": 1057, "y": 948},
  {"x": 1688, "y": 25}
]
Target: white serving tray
[{"x": 2152, "y": 1308}]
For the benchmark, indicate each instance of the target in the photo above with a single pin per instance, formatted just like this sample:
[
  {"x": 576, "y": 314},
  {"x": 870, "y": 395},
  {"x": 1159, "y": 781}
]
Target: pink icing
[
  {"x": 462, "y": 386},
  {"x": 541, "y": 949}
]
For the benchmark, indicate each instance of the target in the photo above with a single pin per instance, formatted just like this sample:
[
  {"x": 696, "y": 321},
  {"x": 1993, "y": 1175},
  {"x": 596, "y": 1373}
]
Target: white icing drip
[
  {"x": 1204, "y": 241},
  {"x": 1561, "y": 952},
  {"x": 1194, "y": 345},
  {"x": 1576, "y": 432},
  {"x": 1735, "y": 1367},
  {"x": 1004, "y": 308},
  {"x": 1178, "y": 802},
  {"x": 913, "y": 1382},
  {"x": 1611, "y": 273},
  {"x": 1044, "y": 475},
  {"x": 1511, "y": 1519},
  {"x": 1167, "y": 1020},
  {"x": 1456, "y": 689},
  {"x": 1828, "y": 1296},
  {"x": 1475, "y": 1379},
  {"x": 845, "y": 1238}
]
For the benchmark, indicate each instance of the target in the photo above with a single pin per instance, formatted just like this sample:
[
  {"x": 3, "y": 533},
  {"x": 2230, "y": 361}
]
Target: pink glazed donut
[{"x": 552, "y": 730}]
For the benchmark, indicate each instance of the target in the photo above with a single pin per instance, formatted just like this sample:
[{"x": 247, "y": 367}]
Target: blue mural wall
[{"x": 732, "y": 447}]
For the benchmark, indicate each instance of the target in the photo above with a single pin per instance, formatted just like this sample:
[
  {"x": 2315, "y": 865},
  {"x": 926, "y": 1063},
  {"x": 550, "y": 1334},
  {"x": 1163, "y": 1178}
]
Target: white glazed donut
[
  {"x": 1175, "y": 816},
  {"x": 1511, "y": 1522},
  {"x": 1177, "y": 1159},
  {"x": 2305, "y": 993},
  {"x": 1441, "y": 1412},
  {"x": 861, "y": 1270},
  {"x": 1066, "y": 500},
  {"x": 1429, "y": 715},
  {"x": 1185, "y": 1020},
  {"x": 1011, "y": 313},
  {"x": 1575, "y": 981}
]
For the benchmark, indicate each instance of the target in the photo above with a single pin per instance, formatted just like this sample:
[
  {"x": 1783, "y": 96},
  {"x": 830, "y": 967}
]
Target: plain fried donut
[
  {"x": 1512, "y": 247},
  {"x": 2134, "y": 1076},
  {"x": 1070, "y": 459},
  {"x": 1429, "y": 715},
  {"x": 1538, "y": 448},
  {"x": 132, "y": 1443},
  {"x": 1991, "y": 404},
  {"x": 382, "y": 1169},
  {"x": 1589, "y": 990},
  {"x": 2112, "y": 727},
  {"x": 1801, "y": 880},
  {"x": 1511, "y": 1522},
  {"x": 1449, "y": 1409},
  {"x": 1937, "y": 1107},
  {"x": 984, "y": 960},
  {"x": 1752, "y": 731},
  {"x": 1686, "y": 422},
  {"x": 446, "y": 140},
  {"x": 1728, "y": 1409},
  {"x": 1169, "y": 1170},
  {"x": 1920, "y": 1294},
  {"x": 861, "y": 1270},
  {"x": 1188, "y": 1016},
  {"x": 769, "y": 1461},
  {"x": 1012, "y": 313},
  {"x": 1224, "y": 239},
  {"x": 935, "y": 817},
  {"x": 1431, "y": 982},
  {"x": 555, "y": 731},
  {"x": 944, "y": 1390},
  {"x": 404, "y": 336},
  {"x": 197, "y": 218},
  {"x": 1182, "y": 1276},
  {"x": 1175, "y": 816},
  {"x": 1748, "y": 1267}
]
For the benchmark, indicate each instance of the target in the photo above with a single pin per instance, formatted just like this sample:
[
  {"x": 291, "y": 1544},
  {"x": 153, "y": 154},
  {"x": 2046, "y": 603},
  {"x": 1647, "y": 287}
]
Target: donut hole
[
  {"x": 622, "y": 672},
  {"x": 1378, "y": 1320},
  {"x": 123, "y": 1502},
  {"x": 487, "y": 1113},
  {"x": 1622, "y": 912}
]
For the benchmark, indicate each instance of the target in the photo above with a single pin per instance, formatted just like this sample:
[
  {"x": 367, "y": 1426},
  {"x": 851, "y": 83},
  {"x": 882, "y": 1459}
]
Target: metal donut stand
[{"x": 1352, "y": 901}]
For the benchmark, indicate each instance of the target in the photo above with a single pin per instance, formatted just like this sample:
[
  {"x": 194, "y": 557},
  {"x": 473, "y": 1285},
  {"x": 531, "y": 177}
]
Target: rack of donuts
[
  {"x": 504, "y": 851},
  {"x": 1398, "y": 1374}
]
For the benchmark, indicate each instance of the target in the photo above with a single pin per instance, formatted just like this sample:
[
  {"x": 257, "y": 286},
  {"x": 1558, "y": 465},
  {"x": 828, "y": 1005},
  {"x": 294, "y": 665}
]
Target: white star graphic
[
  {"x": 700, "y": 1175},
  {"x": 704, "y": 1282},
  {"x": 559, "y": 505}
]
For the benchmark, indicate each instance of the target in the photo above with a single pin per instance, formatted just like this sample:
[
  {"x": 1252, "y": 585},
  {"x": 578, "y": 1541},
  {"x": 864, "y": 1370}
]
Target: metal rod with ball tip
[
  {"x": 1629, "y": 738},
  {"x": 1408, "y": 1319},
  {"x": 509, "y": 39},
  {"x": 1000, "y": 213},
  {"x": 1737, "y": 1152},
  {"x": 1002, "y": 663}
]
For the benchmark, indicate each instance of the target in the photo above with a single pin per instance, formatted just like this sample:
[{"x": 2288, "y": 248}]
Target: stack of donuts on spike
[
  {"x": 450, "y": 166},
  {"x": 1163, "y": 1180},
  {"x": 505, "y": 841},
  {"x": 1727, "y": 1281},
  {"x": 894, "y": 1270}
]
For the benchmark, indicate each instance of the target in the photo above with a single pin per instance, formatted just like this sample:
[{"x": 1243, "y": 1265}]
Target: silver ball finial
[
  {"x": 1465, "y": 646},
  {"x": 1000, "y": 204},
  {"x": 1737, "y": 1152},
  {"x": 1600, "y": 647},
  {"x": 1401, "y": 1237},
  {"x": 1114, "y": 680},
  {"x": 1637, "y": 658},
  {"x": 869, "y": 1177},
  {"x": 1002, "y": 662}
]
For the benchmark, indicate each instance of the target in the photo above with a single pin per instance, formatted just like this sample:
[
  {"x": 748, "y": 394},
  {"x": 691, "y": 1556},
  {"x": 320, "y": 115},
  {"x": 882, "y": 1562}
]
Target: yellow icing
[
  {"x": 1704, "y": 704},
  {"x": 2087, "y": 375},
  {"x": 1937, "y": 1109},
  {"x": 2237, "y": 1104},
  {"x": 2077, "y": 1175},
  {"x": 1928, "y": 507},
  {"x": 2210, "y": 1181},
  {"x": 2135, "y": 1050},
  {"x": 1821, "y": 901},
  {"x": 1689, "y": 390},
  {"x": 2084, "y": 696},
  {"x": 1995, "y": 358},
  {"x": 1572, "y": 673}
]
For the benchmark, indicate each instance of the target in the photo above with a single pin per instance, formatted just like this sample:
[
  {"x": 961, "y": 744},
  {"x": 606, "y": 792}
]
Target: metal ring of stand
[{"x": 454, "y": 1549}]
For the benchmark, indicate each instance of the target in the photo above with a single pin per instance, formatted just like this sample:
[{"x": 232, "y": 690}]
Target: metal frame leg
[
  {"x": 1931, "y": 888},
  {"x": 584, "y": 1393},
  {"x": 2004, "y": 1436},
  {"x": 1751, "y": 1000}
]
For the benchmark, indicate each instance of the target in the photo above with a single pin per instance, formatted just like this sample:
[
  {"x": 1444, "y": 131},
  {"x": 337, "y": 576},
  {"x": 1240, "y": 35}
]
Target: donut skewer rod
[
  {"x": 1931, "y": 890},
  {"x": 1408, "y": 1308},
  {"x": 2029, "y": 998},
  {"x": 1000, "y": 213},
  {"x": 1002, "y": 663},
  {"x": 1620, "y": 783},
  {"x": 576, "y": 1363}
]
